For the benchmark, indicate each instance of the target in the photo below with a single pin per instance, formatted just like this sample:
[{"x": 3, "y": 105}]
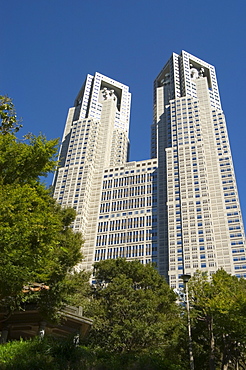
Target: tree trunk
[
  {"x": 225, "y": 355},
  {"x": 212, "y": 344}
]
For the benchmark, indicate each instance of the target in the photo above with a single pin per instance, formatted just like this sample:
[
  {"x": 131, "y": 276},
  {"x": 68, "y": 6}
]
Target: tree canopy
[
  {"x": 37, "y": 244},
  {"x": 133, "y": 308},
  {"x": 9, "y": 122},
  {"x": 218, "y": 309}
]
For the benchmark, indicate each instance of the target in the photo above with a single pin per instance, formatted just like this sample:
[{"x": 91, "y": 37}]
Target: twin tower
[{"x": 179, "y": 209}]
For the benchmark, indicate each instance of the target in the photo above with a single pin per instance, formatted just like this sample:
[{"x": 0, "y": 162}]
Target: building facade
[
  {"x": 95, "y": 137},
  {"x": 179, "y": 209}
]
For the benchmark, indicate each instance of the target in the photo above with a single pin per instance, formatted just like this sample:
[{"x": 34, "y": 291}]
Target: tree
[
  {"x": 134, "y": 309},
  {"x": 219, "y": 320},
  {"x": 37, "y": 244},
  {"x": 9, "y": 122}
]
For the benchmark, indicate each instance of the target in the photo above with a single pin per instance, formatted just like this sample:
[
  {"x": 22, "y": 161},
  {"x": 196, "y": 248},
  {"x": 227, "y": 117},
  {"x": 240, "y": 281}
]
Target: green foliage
[
  {"x": 133, "y": 308},
  {"x": 54, "y": 354},
  {"x": 77, "y": 289},
  {"x": 9, "y": 122},
  {"x": 219, "y": 319},
  {"x": 23, "y": 161},
  {"x": 49, "y": 353},
  {"x": 37, "y": 244}
]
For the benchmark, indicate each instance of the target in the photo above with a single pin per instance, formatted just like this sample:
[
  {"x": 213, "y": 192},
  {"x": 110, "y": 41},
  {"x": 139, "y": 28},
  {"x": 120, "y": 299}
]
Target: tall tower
[
  {"x": 95, "y": 137},
  {"x": 199, "y": 219},
  {"x": 179, "y": 209}
]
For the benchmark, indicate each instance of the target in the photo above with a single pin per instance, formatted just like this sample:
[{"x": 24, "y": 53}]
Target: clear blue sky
[{"x": 48, "y": 47}]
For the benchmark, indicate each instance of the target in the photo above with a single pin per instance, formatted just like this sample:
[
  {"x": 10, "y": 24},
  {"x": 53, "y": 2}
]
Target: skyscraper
[
  {"x": 95, "y": 137},
  {"x": 179, "y": 209},
  {"x": 200, "y": 222}
]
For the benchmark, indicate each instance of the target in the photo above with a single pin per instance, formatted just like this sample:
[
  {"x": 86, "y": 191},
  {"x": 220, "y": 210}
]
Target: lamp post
[{"x": 186, "y": 278}]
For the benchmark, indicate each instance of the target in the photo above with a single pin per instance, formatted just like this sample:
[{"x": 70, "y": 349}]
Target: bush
[{"x": 54, "y": 354}]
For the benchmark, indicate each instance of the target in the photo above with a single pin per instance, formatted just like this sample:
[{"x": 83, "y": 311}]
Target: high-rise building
[
  {"x": 95, "y": 137},
  {"x": 200, "y": 224},
  {"x": 179, "y": 209}
]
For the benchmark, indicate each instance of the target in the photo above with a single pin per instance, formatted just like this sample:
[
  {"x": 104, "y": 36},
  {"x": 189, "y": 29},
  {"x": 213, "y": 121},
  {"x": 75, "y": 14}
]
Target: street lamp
[{"x": 186, "y": 278}]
